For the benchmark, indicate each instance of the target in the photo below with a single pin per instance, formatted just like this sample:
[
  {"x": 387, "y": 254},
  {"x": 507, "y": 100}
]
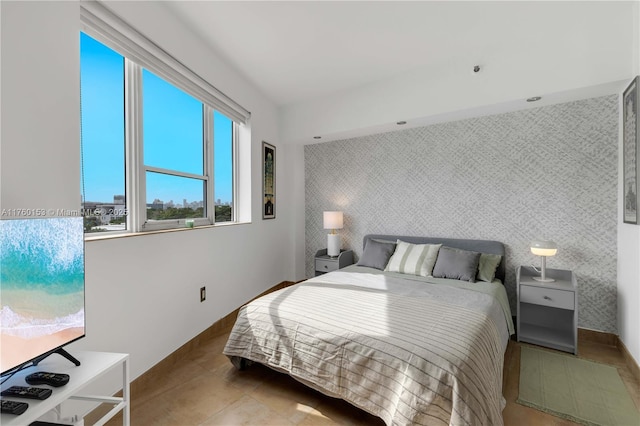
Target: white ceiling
[
  {"x": 295, "y": 51},
  {"x": 298, "y": 52}
]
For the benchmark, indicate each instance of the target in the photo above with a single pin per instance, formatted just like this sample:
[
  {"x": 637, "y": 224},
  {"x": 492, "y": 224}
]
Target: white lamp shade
[
  {"x": 544, "y": 248},
  {"x": 333, "y": 220}
]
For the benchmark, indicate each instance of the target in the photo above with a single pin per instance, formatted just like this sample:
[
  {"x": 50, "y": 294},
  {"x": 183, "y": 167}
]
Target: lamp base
[
  {"x": 333, "y": 245},
  {"x": 543, "y": 280}
]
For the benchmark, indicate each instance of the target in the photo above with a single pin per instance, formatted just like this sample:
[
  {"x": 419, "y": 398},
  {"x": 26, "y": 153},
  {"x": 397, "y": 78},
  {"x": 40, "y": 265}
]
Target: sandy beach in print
[
  {"x": 25, "y": 349},
  {"x": 35, "y": 322}
]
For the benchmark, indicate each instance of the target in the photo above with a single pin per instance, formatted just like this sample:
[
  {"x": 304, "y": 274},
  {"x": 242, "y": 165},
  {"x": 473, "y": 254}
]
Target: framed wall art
[
  {"x": 631, "y": 134},
  {"x": 268, "y": 181}
]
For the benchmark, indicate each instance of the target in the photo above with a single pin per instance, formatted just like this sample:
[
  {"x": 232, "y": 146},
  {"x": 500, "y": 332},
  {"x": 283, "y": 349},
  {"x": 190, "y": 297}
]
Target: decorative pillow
[
  {"x": 487, "y": 266},
  {"x": 414, "y": 259},
  {"x": 376, "y": 254},
  {"x": 456, "y": 264}
]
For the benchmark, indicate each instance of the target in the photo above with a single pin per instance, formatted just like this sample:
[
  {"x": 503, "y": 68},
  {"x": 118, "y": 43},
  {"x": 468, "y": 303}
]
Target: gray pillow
[
  {"x": 456, "y": 264},
  {"x": 376, "y": 254}
]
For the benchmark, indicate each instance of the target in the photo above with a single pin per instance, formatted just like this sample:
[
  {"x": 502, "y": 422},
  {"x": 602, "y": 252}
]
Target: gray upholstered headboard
[{"x": 482, "y": 246}]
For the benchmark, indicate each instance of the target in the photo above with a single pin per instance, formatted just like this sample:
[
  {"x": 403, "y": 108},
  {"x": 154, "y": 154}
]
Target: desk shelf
[{"x": 93, "y": 365}]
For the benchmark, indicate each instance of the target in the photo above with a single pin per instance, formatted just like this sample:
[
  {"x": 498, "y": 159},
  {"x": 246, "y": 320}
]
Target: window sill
[{"x": 98, "y": 237}]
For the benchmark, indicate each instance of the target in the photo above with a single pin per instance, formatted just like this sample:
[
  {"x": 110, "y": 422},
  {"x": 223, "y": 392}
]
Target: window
[
  {"x": 174, "y": 147},
  {"x": 102, "y": 121},
  {"x": 223, "y": 156},
  {"x": 159, "y": 145}
]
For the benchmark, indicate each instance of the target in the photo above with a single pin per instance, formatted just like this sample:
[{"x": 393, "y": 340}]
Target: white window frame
[{"x": 140, "y": 53}]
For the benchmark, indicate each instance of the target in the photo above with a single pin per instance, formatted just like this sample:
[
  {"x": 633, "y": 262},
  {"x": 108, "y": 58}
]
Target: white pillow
[{"x": 414, "y": 259}]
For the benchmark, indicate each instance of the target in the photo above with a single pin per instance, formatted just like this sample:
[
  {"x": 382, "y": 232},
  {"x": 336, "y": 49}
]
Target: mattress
[{"x": 409, "y": 349}]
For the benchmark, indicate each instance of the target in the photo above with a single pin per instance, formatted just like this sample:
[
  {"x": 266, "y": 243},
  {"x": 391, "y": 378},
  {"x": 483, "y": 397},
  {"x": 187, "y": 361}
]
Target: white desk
[{"x": 93, "y": 365}]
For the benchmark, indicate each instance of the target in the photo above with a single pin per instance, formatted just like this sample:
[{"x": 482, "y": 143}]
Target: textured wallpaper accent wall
[{"x": 548, "y": 172}]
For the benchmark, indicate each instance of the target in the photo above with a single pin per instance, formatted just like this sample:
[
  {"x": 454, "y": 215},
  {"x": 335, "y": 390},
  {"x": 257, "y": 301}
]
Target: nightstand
[
  {"x": 325, "y": 263},
  {"x": 548, "y": 312}
]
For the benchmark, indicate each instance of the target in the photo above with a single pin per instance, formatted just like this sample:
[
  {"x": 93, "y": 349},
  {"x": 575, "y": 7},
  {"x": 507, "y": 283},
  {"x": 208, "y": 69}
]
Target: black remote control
[
  {"x": 13, "y": 407},
  {"x": 27, "y": 392},
  {"x": 44, "y": 378}
]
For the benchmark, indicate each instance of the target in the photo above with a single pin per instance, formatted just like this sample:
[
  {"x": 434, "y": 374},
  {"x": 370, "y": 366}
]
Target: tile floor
[{"x": 207, "y": 390}]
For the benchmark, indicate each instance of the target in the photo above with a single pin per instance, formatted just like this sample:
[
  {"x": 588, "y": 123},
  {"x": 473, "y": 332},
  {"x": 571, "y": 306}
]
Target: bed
[{"x": 404, "y": 344}]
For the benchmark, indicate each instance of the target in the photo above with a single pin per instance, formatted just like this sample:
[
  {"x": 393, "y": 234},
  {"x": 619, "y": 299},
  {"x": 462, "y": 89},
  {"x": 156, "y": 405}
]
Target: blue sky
[{"x": 172, "y": 129}]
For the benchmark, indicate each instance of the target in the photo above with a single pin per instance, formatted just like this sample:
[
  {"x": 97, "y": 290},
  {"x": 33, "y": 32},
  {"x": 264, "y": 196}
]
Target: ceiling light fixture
[
  {"x": 534, "y": 98},
  {"x": 401, "y": 123}
]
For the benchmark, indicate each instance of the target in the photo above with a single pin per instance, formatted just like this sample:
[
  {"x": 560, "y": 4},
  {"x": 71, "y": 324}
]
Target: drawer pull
[
  {"x": 546, "y": 298},
  {"x": 326, "y": 267}
]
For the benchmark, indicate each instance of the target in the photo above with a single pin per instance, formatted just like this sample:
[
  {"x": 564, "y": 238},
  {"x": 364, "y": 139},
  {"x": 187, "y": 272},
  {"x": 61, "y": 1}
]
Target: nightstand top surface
[
  {"x": 322, "y": 254},
  {"x": 327, "y": 257},
  {"x": 564, "y": 279}
]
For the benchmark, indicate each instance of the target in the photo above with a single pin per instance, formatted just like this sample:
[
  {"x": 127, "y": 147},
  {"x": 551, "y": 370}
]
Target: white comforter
[{"x": 407, "y": 349}]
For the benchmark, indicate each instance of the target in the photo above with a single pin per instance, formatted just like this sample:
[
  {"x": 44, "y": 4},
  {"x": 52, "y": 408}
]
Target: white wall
[
  {"x": 629, "y": 240},
  {"x": 142, "y": 292},
  {"x": 40, "y": 153}
]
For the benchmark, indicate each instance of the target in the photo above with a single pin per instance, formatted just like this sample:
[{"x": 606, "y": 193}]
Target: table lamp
[
  {"x": 544, "y": 248},
  {"x": 333, "y": 220}
]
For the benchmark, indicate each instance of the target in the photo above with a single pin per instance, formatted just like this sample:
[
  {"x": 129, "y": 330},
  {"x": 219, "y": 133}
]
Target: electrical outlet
[{"x": 203, "y": 294}]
